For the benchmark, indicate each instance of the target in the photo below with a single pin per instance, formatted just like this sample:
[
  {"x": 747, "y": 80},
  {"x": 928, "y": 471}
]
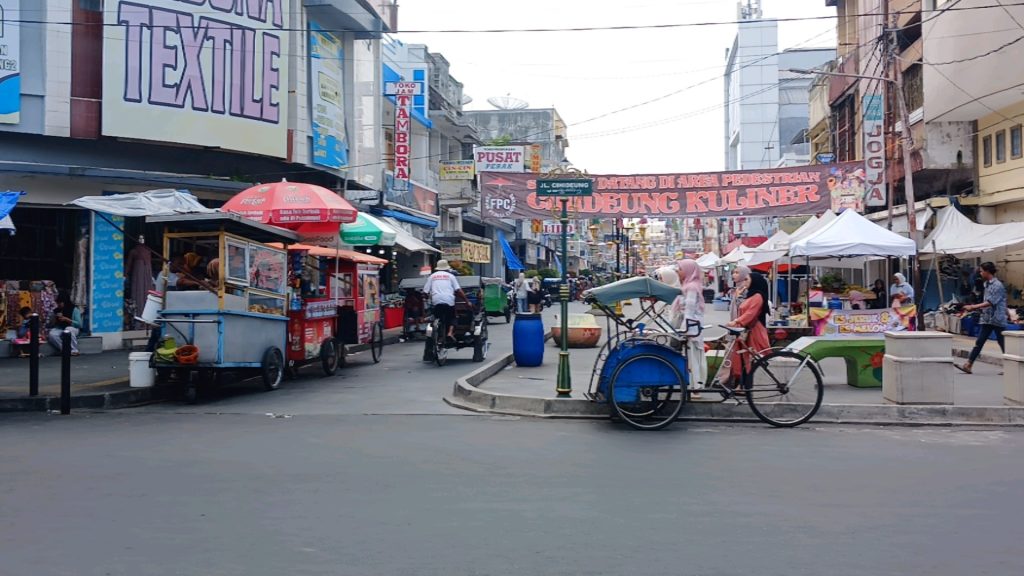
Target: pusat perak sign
[
  {"x": 211, "y": 73},
  {"x": 499, "y": 159}
]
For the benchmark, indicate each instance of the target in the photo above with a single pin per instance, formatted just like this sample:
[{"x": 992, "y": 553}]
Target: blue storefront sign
[
  {"x": 106, "y": 310},
  {"x": 327, "y": 112}
]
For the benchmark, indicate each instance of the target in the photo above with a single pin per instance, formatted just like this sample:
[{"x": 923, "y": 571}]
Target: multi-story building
[
  {"x": 105, "y": 106},
  {"x": 972, "y": 77}
]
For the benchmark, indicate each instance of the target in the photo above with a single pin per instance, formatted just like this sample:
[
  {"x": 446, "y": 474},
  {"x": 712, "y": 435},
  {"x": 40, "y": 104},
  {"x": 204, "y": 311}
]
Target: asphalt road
[{"x": 136, "y": 493}]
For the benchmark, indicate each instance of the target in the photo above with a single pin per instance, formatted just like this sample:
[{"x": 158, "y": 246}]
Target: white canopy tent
[
  {"x": 771, "y": 250},
  {"x": 852, "y": 235},
  {"x": 738, "y": 255},
  {"x": 957, "y": 235},
  {"x": 709, "y": 260}
]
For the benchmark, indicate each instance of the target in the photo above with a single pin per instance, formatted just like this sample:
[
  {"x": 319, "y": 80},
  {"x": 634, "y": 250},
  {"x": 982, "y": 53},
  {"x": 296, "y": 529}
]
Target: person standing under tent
[
  {"x": 993, "y": 314},
  {"x": 901, "y": 293}
]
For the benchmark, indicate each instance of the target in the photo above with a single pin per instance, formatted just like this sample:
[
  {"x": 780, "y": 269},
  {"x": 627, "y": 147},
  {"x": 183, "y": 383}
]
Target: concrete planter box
[
  {"x": 1013, "y": 369},
  {"x": 918, "y": 368}
]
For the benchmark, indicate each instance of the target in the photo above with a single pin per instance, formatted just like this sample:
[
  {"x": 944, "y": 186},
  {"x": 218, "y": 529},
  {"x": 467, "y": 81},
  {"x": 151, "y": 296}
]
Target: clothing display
[{"x": 139, "y": 271}]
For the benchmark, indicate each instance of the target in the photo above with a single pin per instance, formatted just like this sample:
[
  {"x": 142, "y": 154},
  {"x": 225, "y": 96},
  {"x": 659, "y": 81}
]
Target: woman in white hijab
[{"x": 901, "y": 293}]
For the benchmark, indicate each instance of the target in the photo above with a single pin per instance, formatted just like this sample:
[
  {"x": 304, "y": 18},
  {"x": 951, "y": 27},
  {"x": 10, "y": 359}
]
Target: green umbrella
[{"x": 368, "y": 230}]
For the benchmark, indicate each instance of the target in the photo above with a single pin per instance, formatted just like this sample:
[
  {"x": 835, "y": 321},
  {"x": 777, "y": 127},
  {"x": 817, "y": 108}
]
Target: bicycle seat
[{"x": 734, "y": 330}]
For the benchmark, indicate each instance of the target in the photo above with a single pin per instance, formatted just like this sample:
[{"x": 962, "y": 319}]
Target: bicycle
[{"x": 644, "y": 374}]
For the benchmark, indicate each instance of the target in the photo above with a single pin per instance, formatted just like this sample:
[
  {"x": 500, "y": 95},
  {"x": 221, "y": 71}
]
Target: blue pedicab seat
[{"x": 641, "y": 373}]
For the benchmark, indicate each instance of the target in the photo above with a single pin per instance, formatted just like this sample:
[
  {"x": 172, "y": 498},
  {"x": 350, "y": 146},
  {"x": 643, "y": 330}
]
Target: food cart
[
  {"x": 335, "y": 301},
  {"x": 241, "y": 323}
]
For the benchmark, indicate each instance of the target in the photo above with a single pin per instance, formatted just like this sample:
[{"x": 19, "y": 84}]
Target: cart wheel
[
  {"x": 440, "y": 352},
  {"x": 272, "y": 368},
  {"x": 377, "y": 343},
  {"x": 329, "y": 356},
  {"x": 428, "y": 350},
  {"x": 480, "y": 345}
]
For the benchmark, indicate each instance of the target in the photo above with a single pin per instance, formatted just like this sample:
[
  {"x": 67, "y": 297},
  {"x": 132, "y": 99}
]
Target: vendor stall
[{"x": 235, "y": 317}]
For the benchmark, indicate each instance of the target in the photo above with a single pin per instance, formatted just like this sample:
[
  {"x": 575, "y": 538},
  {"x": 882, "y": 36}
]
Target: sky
[{"x": 585, "y": 74}]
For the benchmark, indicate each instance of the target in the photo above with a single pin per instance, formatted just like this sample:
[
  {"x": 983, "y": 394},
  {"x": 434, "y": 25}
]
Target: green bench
[{"x": 863, "y": 356}]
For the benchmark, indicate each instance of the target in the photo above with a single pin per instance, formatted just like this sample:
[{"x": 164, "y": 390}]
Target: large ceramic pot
[{"x": 579, "y": 336}]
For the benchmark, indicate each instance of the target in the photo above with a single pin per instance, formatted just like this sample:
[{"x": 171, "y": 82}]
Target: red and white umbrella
[{"x": 291, "y": 205}]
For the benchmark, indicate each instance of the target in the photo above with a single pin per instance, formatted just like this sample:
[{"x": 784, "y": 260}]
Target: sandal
[{"x": 963, "y": 368}]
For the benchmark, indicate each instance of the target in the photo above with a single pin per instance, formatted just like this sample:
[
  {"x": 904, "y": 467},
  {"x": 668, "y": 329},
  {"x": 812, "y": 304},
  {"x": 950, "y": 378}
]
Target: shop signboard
[
  {"x": 202, "y": 72},
  {"x": 106, "y": 300},
  {"x": 451, "y": 252},
  {"x": 499, "y": 158},
  {"x": 827, "y": 322},
  {"x": 457, "y": 170},
  {"x": 403, "y": 93},
  {"x": 874, "y": 152},
  {"x": 415, "y": 197},
  {"x": 476, "y": 252},
  {"x": 10, "y": 62},
  {"x": 327, "y": 95},
  {"x": 787, "y": 191}
]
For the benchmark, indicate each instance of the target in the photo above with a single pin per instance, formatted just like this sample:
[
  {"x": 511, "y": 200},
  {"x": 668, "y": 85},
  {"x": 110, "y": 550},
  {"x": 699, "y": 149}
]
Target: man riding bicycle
[{"x": 442, "y": 287}]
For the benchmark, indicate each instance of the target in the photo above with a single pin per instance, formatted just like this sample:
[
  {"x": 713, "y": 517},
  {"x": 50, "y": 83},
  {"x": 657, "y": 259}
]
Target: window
[
  {"x": 1000, "y": 146},
  {"x": 1015, "y": 143},
  {"x": 986, "y": 151}
]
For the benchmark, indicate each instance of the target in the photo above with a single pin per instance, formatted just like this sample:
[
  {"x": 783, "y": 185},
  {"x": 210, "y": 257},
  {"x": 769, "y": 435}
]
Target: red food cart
[{"x": 335, "y": 301}]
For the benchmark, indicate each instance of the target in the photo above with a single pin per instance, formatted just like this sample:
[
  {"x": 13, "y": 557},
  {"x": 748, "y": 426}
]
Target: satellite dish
[
  {"x": 507, "y": 102},
  {"x": 466, "y": 99}
]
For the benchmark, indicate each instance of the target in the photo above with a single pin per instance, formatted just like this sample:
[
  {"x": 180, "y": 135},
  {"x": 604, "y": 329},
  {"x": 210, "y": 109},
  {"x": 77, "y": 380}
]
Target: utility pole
[{"x": 890, "y": 109}]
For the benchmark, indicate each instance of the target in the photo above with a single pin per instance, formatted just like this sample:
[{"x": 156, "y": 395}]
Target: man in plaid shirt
[{"x": 993, "y": 314}]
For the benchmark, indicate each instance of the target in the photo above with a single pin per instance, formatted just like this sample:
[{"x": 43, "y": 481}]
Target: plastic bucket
[
  {"x": 140, "y": 375},
  {"x": 528, "y": 340},
  {"x": 154, "y": 303}
]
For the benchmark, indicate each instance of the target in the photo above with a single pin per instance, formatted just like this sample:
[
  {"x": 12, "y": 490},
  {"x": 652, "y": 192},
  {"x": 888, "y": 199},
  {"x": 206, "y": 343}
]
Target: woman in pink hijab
[{"x": 691, "y": 277}]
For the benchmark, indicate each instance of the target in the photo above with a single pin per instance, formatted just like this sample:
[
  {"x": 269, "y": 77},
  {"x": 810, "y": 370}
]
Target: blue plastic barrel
[
  {"x": 528, "y": 340},
  {"x": 835, "y": 303}
]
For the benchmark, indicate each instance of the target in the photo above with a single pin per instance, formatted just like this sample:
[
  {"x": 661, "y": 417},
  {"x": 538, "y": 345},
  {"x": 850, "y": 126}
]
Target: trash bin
[
  {"x": 528, "y": 340},
  {"x": 140, "y": 375}
]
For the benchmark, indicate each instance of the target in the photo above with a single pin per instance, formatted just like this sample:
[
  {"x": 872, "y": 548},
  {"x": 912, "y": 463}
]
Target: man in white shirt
[{"x": 442, "y": 287}]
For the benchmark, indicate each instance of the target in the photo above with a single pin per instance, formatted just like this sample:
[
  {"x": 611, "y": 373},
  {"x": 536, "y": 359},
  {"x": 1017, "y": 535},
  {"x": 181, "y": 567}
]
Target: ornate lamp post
[{"x": 564, "y": 183}]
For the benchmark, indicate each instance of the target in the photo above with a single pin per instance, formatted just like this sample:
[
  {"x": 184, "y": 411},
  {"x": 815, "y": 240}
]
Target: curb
[
  {"x": 104, "y": 401},
  {"x": 467, "y": 395}
]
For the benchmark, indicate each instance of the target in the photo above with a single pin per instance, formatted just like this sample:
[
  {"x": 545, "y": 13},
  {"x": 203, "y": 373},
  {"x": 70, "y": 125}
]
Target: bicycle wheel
[
  {"x": 647, "y": 392},
  {"x": 440, "y": 351},
  {"x": 784, "y": 389}
]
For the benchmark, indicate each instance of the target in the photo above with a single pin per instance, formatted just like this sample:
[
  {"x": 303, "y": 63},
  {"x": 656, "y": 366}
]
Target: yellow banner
[{"x": 474, "y": 252}]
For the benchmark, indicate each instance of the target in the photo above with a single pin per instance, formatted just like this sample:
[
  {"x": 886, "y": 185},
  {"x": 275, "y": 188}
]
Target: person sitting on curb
[{"x": 993, "y": 315}]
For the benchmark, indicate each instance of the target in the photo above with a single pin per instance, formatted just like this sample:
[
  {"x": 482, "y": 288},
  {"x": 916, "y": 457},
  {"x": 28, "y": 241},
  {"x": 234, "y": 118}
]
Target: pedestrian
[
  {"x": 901, "y": 293},
  {"x": 993, "y": 314},
  {"x": 443, "y": 287},
  {"x": 692, "y": 285},
  {"x": 66, "y": 317},
  {"x": 879, "y": 290},
  {"x": 534, "y": 296},
  {"x": 521, "y": 286}
]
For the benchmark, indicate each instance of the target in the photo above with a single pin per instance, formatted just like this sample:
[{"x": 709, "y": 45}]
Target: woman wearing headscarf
[
  {"x": 669, "y": 275},
  {"x": 691, "y": 281},
  {"x": 750, "y": 306},
  {"x": 191, "y": 275},
  {"x": 901, "y": 293},
  {"x": 521, "y": 287}
]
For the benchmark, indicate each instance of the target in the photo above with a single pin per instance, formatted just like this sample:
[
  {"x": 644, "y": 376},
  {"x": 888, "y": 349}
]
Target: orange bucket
[{"x": 187, "y": 354}]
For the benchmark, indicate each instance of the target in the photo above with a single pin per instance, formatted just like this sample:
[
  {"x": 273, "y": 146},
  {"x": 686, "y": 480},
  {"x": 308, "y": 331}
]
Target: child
[{"x": 22, "y": 341}]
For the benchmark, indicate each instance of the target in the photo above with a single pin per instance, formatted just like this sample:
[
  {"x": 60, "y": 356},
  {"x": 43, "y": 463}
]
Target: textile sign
[
  {"x": 779, "y": 192},
  {"x": 330, "y": 145},
  {"x": 457, "y": 170},
  {"x": 10, "y": 62},
  {"x": 828, "y": 322},
  {"x": 476, "y": 252},
  {"x": 204, "y": 72}
]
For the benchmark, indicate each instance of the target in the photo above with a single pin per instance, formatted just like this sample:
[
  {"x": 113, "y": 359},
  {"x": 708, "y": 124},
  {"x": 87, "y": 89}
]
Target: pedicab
[
  {"x": 642, "y": 372},
  {"x": 236, "y": 322},
  {"x": 498, "y": 298},
  {"x": 470, "y": 323}
]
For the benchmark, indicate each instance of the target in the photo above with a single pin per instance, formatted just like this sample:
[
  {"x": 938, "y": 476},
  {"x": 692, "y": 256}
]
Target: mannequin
[{"x": 139, "y": 272}]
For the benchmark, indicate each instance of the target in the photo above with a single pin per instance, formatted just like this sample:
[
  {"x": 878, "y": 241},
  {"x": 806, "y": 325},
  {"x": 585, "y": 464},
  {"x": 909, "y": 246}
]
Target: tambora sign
[
  {"x": 204, "y": 72},
  {"x": 499, "y": 158},
  {"x": 797, "y": 190},
  {"x": 403, "y": 93}
]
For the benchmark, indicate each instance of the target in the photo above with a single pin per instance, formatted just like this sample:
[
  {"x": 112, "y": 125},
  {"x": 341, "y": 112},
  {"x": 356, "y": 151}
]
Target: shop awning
[
  {"x": 164, "y": 202},
  {"x": 511, "y": 260},
  {"x": 7, "y": 201},
  {"x": 7, "y": 225},
  {"x": 407, "y": 241},
  {"x": 368, "y": 230},
  {"x": 350, "y": 255}
]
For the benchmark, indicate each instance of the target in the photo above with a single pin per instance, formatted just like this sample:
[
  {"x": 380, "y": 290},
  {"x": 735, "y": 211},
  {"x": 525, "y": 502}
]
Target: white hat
[{"x": 442, "y": 265}]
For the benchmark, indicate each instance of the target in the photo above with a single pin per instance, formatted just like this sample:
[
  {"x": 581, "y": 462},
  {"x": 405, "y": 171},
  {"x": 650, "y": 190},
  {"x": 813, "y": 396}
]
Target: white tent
[
  {"x": 851, "y": 235},
  {"x": 739, "y": 255},
  {"x": 957, "y": 235},
  {"x": 709, "y": 260},
  {"x": 771, "y": 250}
]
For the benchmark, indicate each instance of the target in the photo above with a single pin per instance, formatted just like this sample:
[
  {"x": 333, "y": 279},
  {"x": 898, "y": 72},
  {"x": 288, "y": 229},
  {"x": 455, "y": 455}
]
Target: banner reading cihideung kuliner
[{"x": 793, "y": 191}]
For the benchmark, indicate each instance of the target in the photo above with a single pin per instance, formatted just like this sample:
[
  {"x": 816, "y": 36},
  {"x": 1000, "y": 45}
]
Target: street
[{"x": 370, "y": 473}]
